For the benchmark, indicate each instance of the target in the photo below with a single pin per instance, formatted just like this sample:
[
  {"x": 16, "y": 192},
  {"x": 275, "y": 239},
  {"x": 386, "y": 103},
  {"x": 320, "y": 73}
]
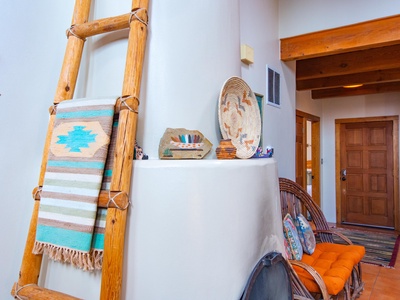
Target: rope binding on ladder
[
  {"x": 71, "y": 32},
  {"x": 134, "y": 14}
]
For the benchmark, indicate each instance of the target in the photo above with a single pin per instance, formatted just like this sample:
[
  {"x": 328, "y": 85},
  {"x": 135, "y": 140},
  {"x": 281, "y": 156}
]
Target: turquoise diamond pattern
[{"x": 77, "y": 139}]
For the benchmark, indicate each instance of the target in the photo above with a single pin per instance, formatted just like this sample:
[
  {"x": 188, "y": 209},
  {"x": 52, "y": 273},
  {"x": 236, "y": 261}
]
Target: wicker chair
[{"x": 295, "y": 200}]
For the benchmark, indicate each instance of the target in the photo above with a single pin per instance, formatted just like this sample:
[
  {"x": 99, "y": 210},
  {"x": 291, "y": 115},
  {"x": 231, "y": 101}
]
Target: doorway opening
[{"x": 308, "y": 153}]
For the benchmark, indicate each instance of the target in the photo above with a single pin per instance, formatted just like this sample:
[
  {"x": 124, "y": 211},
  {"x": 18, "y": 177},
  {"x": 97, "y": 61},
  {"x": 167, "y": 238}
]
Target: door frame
[
  {"x": 315, "y": 153},
  {"x": 396, "y": 200}
]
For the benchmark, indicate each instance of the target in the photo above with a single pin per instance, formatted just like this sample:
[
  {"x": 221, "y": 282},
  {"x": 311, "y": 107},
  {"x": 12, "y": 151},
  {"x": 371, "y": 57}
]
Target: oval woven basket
[{"x": 239, "y": 116}]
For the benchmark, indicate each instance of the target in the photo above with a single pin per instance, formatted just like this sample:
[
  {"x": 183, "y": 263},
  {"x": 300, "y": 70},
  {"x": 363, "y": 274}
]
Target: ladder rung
[
  {"x": 121, "y": 200},
  {"x": 101, "y": 26},
  {"x": 34, "y": 292}
]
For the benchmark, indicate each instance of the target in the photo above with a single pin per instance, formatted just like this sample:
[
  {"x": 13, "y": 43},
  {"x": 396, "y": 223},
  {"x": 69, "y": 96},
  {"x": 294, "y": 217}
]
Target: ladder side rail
[
  {"x": 111, "y": 281},
  {"x": 31, "y": 264}
]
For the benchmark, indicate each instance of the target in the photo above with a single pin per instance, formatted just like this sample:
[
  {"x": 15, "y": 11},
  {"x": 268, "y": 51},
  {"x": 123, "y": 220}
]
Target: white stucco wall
[
  {"x": 259, "y": 27},
  {"x": 191, "y": 51},
  {"x": 31, "y": 52},
  {"x": 298, "y": 17}
]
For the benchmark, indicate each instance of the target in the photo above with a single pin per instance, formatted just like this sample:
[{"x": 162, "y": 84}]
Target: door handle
[{"x": 343, "y": 175}]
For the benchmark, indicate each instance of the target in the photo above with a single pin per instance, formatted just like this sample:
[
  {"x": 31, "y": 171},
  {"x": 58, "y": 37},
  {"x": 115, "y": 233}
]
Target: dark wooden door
[{"x": 366, "y": 173}]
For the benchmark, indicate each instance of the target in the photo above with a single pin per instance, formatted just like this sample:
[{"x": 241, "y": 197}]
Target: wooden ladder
[{"x": 136, "y": 21}]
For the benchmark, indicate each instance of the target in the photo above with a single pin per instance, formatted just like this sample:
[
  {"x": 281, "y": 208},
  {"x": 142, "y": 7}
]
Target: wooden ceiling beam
[
  {"x": 349, "y": 63},
  {"x": 377, "y": 76},
  {"x": 364, "y": 90},
  {"x": 360, "y": 36}
]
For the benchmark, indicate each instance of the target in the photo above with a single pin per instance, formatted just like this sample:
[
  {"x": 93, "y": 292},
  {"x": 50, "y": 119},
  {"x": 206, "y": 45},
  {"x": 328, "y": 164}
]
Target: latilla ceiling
[{"x": 365, "y": 53}]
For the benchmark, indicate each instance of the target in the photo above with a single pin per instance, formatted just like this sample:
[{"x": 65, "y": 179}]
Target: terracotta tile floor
[{"x": 381, "y": 283}]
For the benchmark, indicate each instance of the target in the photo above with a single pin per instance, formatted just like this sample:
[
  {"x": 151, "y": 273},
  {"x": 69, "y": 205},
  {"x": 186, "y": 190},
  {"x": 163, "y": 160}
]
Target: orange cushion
[{"x": 334, "y": 262}]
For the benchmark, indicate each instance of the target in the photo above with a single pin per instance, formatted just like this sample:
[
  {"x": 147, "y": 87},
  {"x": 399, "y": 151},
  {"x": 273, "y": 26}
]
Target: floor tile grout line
[{"x": 375, "y": 281}]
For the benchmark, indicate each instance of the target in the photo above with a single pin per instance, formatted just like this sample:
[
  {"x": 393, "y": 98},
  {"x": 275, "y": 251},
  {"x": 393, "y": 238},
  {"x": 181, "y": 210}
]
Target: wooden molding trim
[
  {"x": 307, "y": 116},
  {"x": 367, "y": 119},
  {"x": 315, "y": 153},
  {"x": 370, "y": 34},
  {"x": 349, "y": 63}
]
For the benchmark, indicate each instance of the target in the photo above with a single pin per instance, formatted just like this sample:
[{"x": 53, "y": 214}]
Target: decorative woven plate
[{"x": 239, "y": 116}]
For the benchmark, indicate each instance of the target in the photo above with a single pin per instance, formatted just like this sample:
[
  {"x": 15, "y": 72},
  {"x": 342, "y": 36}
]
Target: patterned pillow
[
  {"x": 292, "y": 237},
  {"x": 288, "y": 252},
  {"x": 306, "y": 234}
]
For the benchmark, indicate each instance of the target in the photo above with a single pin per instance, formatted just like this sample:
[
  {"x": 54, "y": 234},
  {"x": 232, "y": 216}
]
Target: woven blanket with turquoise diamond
[{"x": 68, "y": 211}]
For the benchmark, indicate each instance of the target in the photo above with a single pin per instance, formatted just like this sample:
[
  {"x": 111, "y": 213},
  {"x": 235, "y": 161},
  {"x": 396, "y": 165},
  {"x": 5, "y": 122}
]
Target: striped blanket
[{"x": 70, "y": 227}]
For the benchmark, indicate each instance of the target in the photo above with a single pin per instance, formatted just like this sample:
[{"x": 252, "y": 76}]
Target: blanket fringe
[
  {"x": 97, "y": 256},
  {"x": 86, "y": 261}
]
